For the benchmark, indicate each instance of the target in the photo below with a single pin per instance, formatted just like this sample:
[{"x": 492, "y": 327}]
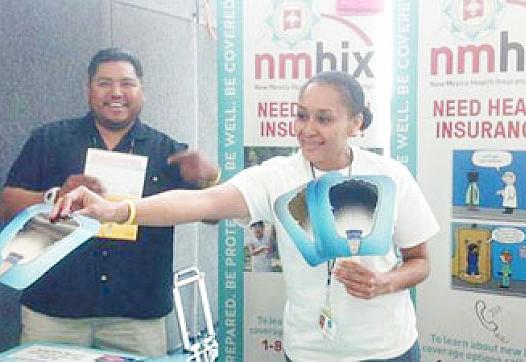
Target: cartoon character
[
  {"x": 508, "y": 193},
  {"x": 472, "y": 191},
  {"x": 505, "y": 269},
  {"x": 473, "y": 260},
  {"x": 260, "y": 248}
]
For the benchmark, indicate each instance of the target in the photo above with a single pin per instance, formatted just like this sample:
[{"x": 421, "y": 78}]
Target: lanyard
[
  {"x": 349, "y": 168},
  {"x": 95, "y": 144},
  {"x": 330, "y": 267}
]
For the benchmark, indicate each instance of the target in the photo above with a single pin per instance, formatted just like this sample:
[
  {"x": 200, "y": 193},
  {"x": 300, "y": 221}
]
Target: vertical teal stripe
[
  {"x": 230, "y": 100},
  {"x": 404, "y": 107}
]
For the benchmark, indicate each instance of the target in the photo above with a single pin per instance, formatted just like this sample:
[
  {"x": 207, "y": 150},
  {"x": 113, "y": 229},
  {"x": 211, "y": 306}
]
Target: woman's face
[{"x": 323, "y": 125}]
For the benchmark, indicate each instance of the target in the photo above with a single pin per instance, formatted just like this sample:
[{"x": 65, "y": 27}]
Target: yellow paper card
[{"x": 111, "y": 230}]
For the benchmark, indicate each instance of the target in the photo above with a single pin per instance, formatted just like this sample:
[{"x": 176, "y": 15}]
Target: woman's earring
[{"x": 356, "y": 125}]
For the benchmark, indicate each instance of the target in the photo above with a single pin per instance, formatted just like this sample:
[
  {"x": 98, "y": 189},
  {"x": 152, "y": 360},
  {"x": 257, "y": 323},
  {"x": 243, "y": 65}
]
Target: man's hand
[
  {"x": 75, "y": 181},
  {"x": 86, "y": 202},
  {"x": 261, "y": 250},
  {"x": 194, "y": 166},
  {"x": 360, "y": 281}
]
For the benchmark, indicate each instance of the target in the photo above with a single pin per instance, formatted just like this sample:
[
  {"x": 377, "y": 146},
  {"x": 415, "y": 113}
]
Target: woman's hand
[
  {"x": 359, "y": 281},
  {"x": 86, "y": 202},
  {"x": 364, "y": 283}
]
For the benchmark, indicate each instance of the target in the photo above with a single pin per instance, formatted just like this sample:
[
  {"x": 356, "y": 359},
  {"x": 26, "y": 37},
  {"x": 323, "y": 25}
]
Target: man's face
[
  {"x": 259, "y": 231},
  {"x": 115, "y": 95}
]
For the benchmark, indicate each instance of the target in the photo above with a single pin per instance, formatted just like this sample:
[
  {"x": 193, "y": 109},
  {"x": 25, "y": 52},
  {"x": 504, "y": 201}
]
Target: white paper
[{"x": 120, "y": 173}]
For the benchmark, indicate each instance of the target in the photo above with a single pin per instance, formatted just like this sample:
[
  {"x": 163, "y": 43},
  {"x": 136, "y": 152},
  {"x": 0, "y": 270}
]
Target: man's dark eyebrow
[{"x": 111, "y": 78}]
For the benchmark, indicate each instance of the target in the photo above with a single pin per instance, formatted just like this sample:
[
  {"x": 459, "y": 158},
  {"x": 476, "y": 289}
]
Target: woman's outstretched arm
[{"x": 167, "y": 208}]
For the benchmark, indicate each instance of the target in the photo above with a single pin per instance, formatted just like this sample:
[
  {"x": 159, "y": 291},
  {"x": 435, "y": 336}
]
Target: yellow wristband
[
  {"x": 132, "y": 212},
  {"x": 209, "y": 183}
]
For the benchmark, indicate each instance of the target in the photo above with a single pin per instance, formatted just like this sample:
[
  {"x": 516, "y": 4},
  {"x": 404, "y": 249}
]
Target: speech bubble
[
  {"x": 493, "y": 159},
  {"x": 508, "y": 235}
]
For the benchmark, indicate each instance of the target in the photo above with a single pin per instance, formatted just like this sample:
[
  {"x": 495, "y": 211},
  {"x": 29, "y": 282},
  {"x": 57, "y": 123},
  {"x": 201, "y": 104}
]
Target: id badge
[{"x": 327, "y": 325}]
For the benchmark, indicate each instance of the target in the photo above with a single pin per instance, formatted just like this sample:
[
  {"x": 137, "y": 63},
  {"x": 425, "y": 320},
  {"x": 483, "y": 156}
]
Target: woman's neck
[{"x": 342, "y": 162}]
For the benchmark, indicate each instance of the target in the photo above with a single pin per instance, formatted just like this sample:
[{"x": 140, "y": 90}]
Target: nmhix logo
[
  {"x": 292, "y": 21},
  {"x": 472, "y": 19}
]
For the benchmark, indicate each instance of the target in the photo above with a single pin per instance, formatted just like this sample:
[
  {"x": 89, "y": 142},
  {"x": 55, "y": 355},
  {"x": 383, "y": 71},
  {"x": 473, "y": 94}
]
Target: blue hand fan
[
  {"x": 30, "y": 244},
  {"x": 339, "y": 216}
]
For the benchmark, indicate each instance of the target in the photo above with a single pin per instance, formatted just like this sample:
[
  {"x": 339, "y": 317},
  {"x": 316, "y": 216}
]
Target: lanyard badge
[{"x": 326, "y": 321}]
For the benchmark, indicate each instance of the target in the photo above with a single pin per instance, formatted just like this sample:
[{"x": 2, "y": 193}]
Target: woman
[{"x": 370, "y": 315}]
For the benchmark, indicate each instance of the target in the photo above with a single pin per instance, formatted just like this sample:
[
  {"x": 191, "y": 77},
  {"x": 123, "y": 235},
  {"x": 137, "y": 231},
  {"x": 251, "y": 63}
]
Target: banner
[
  {"x": 405, "y": 77},
  {"x": 472, "y": 167},
  {"x": 230, "y": 99},
  {"x": 267, "y": 50}
]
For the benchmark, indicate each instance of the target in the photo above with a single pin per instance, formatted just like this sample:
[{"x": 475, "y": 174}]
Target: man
[
  {"x": 260, "y": 248},
  {"x": 108, "y": 293}
]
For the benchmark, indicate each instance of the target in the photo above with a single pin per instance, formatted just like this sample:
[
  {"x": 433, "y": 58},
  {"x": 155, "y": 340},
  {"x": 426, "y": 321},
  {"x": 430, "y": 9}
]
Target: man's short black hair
[
  {"x": 257, "y": 224},
  {"x": 114, "y": 55}
]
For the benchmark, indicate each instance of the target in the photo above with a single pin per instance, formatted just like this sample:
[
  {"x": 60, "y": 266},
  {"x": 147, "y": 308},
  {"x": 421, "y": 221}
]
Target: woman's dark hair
[
  {"x": 350, "y": 90},
  {"x": 114, "y": 55}
]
